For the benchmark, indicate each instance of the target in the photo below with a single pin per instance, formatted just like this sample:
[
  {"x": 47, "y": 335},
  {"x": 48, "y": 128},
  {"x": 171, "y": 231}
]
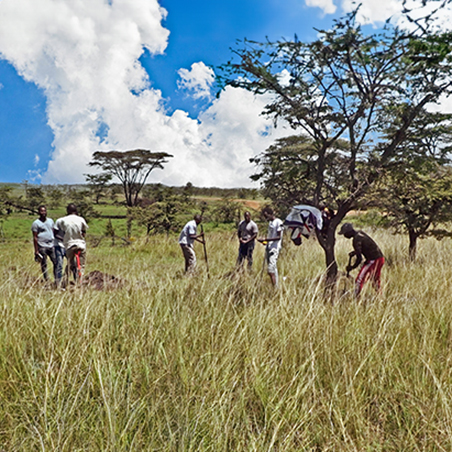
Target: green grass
[{"x": 225, "y": 363}]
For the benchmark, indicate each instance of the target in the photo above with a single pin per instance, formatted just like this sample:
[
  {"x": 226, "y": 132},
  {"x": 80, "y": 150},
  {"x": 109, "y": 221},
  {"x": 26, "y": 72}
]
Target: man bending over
[{"x": 363, "y": 245}]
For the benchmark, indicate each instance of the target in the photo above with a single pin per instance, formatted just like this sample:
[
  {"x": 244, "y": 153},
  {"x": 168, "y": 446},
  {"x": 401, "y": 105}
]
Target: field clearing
[
  {"x": 225, "y": 363},
  {"x": 253, "y": 204}
]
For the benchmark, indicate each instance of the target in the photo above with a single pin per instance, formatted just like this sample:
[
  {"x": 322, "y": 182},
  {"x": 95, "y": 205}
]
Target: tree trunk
[
  {"x": 330, "y": 260},
  {"x": 413, "y": 244},
  {"x": 129, "y": 227},
  {"x": 327, "y": 241}
]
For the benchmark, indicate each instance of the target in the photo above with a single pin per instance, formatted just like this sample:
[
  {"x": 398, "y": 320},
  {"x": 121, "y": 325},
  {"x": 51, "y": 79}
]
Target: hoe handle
[{"x": 205, "y": 250}]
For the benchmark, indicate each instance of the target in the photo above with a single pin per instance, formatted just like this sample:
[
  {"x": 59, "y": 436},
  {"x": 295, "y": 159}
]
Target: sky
[{"x": 77, "y": 76}]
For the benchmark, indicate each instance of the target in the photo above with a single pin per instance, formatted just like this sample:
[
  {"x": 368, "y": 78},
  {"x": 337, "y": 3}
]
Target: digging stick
[
  {"x": 350, "y": 258},
  {"x": 205, "y": 250}
]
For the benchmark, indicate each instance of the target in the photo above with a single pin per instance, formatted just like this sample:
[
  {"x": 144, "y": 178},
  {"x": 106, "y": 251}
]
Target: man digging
[
  {"x": 187, "y": 238},
  {"x": 363, "y": 245}
]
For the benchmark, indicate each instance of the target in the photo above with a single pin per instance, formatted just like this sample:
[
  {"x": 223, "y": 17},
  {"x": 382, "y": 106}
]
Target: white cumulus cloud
[
  {"x": 373, "y": 12},
  {"x": 198, "y": 80},
  {"x": 327, "y": 6},
  {"x": 85, "y": 56}
]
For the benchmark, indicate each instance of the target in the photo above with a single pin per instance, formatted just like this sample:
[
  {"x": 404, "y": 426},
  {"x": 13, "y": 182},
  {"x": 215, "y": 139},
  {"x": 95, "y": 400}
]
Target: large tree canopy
[
  {"x": 132, "y": 168},
  {"x": 341, "y": 91},
  {"x": 287, "y": 171}
]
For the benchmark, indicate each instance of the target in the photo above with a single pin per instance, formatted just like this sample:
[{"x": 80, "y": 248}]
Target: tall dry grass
[{"x": 225, "y": 363}]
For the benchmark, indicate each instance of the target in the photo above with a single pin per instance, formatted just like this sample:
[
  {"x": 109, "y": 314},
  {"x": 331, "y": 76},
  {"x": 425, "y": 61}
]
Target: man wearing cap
[{"x": 363, "y": 245}]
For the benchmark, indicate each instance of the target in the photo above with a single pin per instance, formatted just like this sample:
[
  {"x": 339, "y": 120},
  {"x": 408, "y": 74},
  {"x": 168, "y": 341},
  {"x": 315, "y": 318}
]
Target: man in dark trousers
[
  {"x": 247, "y": 232},
  {"x": 43, "y": 242},
  {"x": 363, "y": 245}
]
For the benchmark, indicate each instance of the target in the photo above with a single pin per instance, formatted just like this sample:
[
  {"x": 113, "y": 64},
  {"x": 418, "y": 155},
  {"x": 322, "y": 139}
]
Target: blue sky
[
  {"x": 205, "y": 31},
  {"x": 75, "y": 79}
]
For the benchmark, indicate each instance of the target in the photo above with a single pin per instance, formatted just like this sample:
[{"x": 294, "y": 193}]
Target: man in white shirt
[
  {"x": 74, "y": 228},
  {"x": 273, "y": 243},
  {"x": 247, "y": 232},
  {"x": 186, "y": 239}
]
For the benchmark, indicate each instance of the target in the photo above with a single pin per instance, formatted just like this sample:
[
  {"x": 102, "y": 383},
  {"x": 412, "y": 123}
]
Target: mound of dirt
[{"x": 102, "y": 281}]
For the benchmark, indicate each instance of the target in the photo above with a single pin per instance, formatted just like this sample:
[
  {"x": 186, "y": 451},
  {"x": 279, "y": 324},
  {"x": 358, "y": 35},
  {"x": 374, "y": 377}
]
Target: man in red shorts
[{"x": 363, "y": 245}]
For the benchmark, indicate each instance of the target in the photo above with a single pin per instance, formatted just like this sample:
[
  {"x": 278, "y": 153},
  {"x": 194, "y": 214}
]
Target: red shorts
[{"x": 370, "y": 269}]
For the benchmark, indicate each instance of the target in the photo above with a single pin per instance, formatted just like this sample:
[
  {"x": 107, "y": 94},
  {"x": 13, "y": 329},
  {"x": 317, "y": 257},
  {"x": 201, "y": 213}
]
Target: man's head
[
  {"x": 197, "y": 218},
  {"x": 247, "y": 217},
  {"x": 71, "y": 209},
  {"x": 347, "y": 230},
  {"x": 42, "y": 211},
  {"x": 268, "y": 213}
]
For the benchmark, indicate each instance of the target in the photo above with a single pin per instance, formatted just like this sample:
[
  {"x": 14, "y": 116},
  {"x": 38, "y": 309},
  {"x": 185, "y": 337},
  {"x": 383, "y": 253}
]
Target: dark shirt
[{"x": 364, "y": 245}]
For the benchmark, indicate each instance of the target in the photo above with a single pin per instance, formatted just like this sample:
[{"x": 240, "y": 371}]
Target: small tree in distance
[
  {"x": 34, "y": 197},
  {"x": 416, "y": 194},
  {"x": 417, "y": 203},
  {"x": 55, "y": 196},
  {"x": 132, "y": 168},
  {"x": 98, "y": 185}
]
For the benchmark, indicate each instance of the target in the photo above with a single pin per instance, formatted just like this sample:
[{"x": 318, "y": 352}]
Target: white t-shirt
[
  {"x": 73, "y": 227},
  {"x": 189, "y": 229},
  {"x": 247, "y": 230},
  {"x": 275, "y": 228}
]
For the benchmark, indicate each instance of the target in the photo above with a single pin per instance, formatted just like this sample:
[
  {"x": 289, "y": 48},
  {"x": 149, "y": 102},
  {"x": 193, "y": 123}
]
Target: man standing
[
  {"x": 186, "y": 239},
  {"x": 60, "y": 252},
  {"x": 43, "y": 238},
  {"x": 273, "y": 243},
  {"x": 363, "y": 245},
  {"x": 247, "y": 232},
  {"x": 74, "y": 228}
]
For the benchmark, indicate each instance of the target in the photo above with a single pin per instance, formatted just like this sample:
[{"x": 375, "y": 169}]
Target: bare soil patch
[{"x": 102, "y": 281}]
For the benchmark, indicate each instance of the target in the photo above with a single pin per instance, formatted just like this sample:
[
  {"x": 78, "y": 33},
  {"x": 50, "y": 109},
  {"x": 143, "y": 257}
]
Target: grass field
[{"x": 169, "y": 363}]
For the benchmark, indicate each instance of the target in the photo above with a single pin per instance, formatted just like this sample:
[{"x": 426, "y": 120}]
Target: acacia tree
[
  {"x": 416, "y": 194},
  {"x": 132, "y": 168},
  {"x": 344, "y": 88},
  {"x": 98, "y": 184}
]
